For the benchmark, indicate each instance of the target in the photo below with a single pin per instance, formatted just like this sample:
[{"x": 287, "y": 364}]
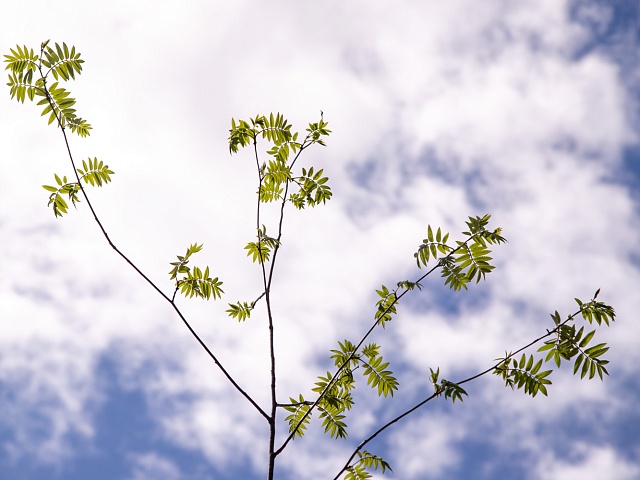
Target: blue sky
[{"x": 526, "y": 110}]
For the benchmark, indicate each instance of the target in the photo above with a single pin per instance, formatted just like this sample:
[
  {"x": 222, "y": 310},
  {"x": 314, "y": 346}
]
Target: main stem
[
  {"x": 267, "y": 295},
  {"x": 266, "y": 279}
]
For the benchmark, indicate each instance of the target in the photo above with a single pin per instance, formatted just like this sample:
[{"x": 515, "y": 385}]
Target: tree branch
[
  {"x": 431, "y": 397},
  {"x": 147, "y": 279}
]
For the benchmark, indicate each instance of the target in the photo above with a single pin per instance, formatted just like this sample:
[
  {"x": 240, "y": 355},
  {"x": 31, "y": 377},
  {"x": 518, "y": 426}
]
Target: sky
[{"x": 529, "y": 111}]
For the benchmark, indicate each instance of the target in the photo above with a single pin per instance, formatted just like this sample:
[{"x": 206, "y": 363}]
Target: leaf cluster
[
  {"x": 374, "y": 368},
  {"x": 450, "y": 390},
  {"x": 367, "y": 461},
  {"x": 260, "y": 251},
  {"x": 60, "y": 61},
  {"x": 523, "y": 374},
  {"x": 22, "y": 63},
  {"x": 432, "y": 246},
  {"x": 299, "y": 417},
  {"x": 469, "y": 259},
  {"x": 277, "y": 173},
  {"x": 240, "y": 310},
  {"x": 56, "y": 198},
  {"x": 95, "y": 172},
  {"x": 274, "y": 129},
  {"x": 194, "y": 281},
  {"x": 28, "y": 77},
  {"x": 335, "y": 390},
  {"x": 386, "y": 306},
  {"x": 313, "y": 189},
  {"x": 318, "y": 130},
  {"x": 596, "y": 311},
  {"x": 335, "y": 400},
  {"x": 570, "y": 343}
]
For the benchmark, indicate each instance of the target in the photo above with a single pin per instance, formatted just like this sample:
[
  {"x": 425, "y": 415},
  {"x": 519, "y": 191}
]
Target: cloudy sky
[{"x": 527, "y": 110}]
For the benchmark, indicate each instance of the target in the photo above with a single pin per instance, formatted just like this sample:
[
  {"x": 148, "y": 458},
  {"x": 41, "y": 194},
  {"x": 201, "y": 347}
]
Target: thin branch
[
  {"x": 267, "y": 279},
  {"x": 267, "y": 293},
  {"x": 267, "y": 296},
  {"x": 431, "y": 397},
  {"x": 149, "y": 281}
]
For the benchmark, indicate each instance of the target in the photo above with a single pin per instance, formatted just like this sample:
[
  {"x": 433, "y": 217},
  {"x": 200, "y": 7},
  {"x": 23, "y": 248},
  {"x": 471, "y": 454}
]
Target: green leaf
[
  {"x": 597, "y": 350},
  {"x": 434, "y": 378},
  {"x": 585, "y": 341},
  {"x": 313, "y": 188},
  {"x": 298, "y": 409},
  {"x": 524, "y": 374},
  {"x": 56, "y": 200},
  {"x": 367, "y": 461},
  {"x": 200, "y": 284},
  {"x": 241, "y": 311},
  {"x": 21, "y": 87},
  {"x": 549, "y": 344},
  {"x": 407, "y": 285},
  {"x": 345, "y": 351},
  {"x": 336, "y": 392},
  {"x": 270, "y": 190},
  {"x": 180, "y": 265},
  {"x": 452, "y": 390},
  {"x": 194, "y": 281},
  {"x": 317, "y": 131},
  {"x": 578, "y": 362},
  {"x": 431, "y": 247},
  {"x": 597, "y": 311},
  {"x": 258, "y": 251},
  {"x": 333, "y": 421},
  {"x": 386, "y": 306},
  {"x": 378, "y": 376},
  {"x": 95, "y": 173},
  {"x": 357, "y": 472},
  {"x": 21, "y": 59},
  {"x": 58, "y": 105},
  {"x": 261, "y": 250},
  {"x": 240, "y": 135},
  {"x": 454, "y": 275},
  {"x": 63, "y": 62}
]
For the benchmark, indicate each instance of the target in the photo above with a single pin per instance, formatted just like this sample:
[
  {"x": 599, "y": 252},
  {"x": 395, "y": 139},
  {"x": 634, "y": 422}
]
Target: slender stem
[
  {"x": 267, "y": 279},
  {"x": 267, "y": 296},
  {"x": 431, "y": 397},
  {"x": 149, "y": 281}
]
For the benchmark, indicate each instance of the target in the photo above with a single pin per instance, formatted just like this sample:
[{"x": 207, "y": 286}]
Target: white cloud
[
  {"x": 451, "y": 108},
  {"x": 150, "y": 466},
  {"x": 588, "y": 461},
  {"x": 426, "y": 448}
]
